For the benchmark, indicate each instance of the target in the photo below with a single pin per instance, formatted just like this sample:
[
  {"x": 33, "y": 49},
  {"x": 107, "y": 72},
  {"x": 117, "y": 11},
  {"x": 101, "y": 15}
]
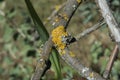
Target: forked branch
[
  {"x": 110, "y": 20},
  {"x": 61, "y": 19}
]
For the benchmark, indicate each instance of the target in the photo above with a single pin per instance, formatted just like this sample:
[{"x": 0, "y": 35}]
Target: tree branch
[
  {"x": 110, "y": 20},
  {"x": 66, "y": 13},
  {"x": 70, "y": 58},
  {"x": 61, "y": 19},
  {"x": 41, "y": 64}
]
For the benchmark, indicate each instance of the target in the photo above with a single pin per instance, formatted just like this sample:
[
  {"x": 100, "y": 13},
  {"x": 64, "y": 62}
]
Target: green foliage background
[{"x": 20, "y": 48}]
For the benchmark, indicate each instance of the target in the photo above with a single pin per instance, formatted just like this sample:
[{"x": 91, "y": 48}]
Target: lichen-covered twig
[
  {"x": 110, "y": 20},
  {"x": 54, "y": 13},
  {"x": 62, "y": 19},
  {"x": 70, "y": 58},
  {"x": 41, "y": 64},
  {"x": 110, "y": 62},
  {"x": 58, "y": 37}
]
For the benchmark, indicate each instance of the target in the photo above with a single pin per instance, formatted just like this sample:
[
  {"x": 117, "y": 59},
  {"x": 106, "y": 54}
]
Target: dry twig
[
  {"x": 89, "y": 30},
  {"x": 114, "y": 28},
  {"x": 110, "y": 20},
  {"x": 110, "y": 63}
]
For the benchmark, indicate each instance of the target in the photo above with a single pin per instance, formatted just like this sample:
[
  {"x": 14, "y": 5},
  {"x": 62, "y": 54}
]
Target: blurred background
[{"x": 20, "y": 44}]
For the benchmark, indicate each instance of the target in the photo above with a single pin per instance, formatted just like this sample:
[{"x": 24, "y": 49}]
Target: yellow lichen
[
  {"x": 91, "y": 75},
  {"x": 57, "y": 35},
  {"x": 62, "y": 52},
  {"x": 78, "y": 1},
  {"x": 57, "y": 7},
  {"x": 72, "y": 54},
  {"x": 65, "y": 17},
  {"x": 57, "y": 19},
  {"x": 40, "y": 50}
]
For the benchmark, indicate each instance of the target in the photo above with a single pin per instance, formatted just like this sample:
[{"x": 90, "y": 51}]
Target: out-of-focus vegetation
[{"x": 19, "y": 48}]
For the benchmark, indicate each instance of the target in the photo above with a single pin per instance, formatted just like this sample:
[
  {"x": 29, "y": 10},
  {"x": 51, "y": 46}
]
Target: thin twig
[
  {"x": 110, "y": 63},
  {"x": 89, "y": 30}
]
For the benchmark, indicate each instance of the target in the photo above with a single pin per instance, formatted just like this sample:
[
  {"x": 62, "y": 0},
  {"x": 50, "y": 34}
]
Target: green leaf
[
  {"x": 56, "y": 63},
  {"x": 38, "y": 23},
  {"x": 44, "y": 37}
]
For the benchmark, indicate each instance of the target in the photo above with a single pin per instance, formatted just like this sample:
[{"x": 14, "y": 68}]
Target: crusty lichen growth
[
  {"x": 57, "y": 19},
  {"x": 65, "y": 17},
  {"x": 57, "y": 7},
  {"x": 78, "y": 1},
  {"x": 72, "y": 54},
  {"x": 91, "y": 75},
  {"x": 57, "y": 35}
]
